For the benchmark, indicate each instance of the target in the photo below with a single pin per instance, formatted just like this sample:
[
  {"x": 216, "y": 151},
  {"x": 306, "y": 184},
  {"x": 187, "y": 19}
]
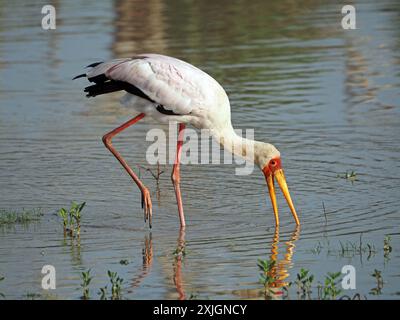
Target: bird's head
[{"x": 268, "y": 158}]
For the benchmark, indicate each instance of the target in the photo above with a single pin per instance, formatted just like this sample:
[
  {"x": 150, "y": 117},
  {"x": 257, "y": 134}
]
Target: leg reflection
[
  {"x": 179, "y": 256},
  {"x": 147, "y": 253}
]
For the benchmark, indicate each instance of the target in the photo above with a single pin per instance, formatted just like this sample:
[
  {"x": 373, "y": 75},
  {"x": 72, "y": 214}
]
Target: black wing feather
[{"x": 105, "y": 85}]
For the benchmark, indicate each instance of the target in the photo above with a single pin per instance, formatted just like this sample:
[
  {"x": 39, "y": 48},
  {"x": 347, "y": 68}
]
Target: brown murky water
[{"x": 326, "y": 97}]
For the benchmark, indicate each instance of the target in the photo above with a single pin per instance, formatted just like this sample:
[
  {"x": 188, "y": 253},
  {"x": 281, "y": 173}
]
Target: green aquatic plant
[
  {"x": 67, "y": 221},
  {"x": 379, "y": 283},
  {"x": 86, "y": 279},
  {"x": 76, "y": 210},
  {"x": 8, "y": 217},
  {"x": 116, "y": 285},
  {"x": 329, "y": 290},
  {"x": 387, "y": 248},
  {"x": 349, "y": 175},
  {"x": 180, "y": 252},
  {"x": 267, "y": 276},
  {"x": 64, "y": 215},
  {"x": 304, "y": 282},
  {"x": 71, "y": 218}
]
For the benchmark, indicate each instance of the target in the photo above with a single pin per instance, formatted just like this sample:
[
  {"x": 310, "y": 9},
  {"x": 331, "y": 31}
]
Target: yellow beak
[{"x": 280, "y": 178}]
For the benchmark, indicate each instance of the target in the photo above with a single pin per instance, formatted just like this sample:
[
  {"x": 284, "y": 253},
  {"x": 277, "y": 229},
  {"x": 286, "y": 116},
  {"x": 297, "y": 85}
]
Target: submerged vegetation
[
  {"x": 346, "y": 249},
  {"x": 350, "y": 249},
  {"x": 9, "y": 217},
  {"x": 348, "y": 175},
  {"x": 180, "y": 252}
]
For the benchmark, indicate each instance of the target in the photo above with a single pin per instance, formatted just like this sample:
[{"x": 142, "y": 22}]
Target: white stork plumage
[{"x": 169, "y": 89}]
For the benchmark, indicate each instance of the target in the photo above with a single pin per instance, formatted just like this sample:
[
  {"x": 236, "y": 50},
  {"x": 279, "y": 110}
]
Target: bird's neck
[{"x": 235, "y": 143}]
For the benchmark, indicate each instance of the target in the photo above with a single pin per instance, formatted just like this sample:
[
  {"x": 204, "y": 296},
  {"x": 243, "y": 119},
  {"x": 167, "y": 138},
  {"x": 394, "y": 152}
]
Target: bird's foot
[{"x": 146, "y": 205}]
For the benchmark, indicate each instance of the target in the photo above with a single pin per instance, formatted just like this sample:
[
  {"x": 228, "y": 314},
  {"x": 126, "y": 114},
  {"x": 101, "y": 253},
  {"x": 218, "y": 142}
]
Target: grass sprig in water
[
  {"x": 267, "y": 278},
  {"x": 304, "y": 282},
  {"x": 387, "y": 247},
  {"x": 72, "y": 218},
  {"x": 330, "y": 291},
  {"x": 116, "y": 285},
  {"x": 379, "y": 283},
  {"x": 86, "y": 279}
]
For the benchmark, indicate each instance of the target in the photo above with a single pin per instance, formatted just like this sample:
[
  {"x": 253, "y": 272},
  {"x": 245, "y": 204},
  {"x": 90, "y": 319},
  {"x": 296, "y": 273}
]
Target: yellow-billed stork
[{"x": 169, "y": 89}]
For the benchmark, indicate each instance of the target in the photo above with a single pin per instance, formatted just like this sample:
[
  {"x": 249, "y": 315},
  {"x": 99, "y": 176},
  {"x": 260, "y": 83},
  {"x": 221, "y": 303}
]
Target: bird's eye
[{"x": 273, "y": 163}]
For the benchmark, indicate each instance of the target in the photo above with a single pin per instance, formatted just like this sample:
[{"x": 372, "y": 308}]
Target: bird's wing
[{"x": 172, "y": 83}]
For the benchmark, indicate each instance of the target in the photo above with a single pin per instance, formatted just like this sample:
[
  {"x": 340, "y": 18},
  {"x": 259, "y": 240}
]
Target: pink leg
[
  {"x": 146, "y": 200},
  {"x": 176, "y": 177}
]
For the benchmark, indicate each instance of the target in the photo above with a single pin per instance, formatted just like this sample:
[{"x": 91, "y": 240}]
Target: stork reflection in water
[
  {"x": 279, "y": 270},
  {"x": 177, "y": 263}
]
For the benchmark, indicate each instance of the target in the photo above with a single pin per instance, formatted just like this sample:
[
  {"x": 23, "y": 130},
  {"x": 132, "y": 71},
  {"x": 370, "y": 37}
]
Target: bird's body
[
  {"x": 169, "y": 89},
  {"x": 188, "y": 92}
]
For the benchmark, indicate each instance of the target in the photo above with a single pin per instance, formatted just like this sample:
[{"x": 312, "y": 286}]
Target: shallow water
[{"x": 326, "y": 97}]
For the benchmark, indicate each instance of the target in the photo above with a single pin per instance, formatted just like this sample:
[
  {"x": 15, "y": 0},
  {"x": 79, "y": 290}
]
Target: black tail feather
[
  {"x": 112, "y": 86},
  {"x": 99, "y": 78},
  {"x": 79, "y": 76},
  {"x": 102, "y": 88},
  {"x": 94, "y": 64}
]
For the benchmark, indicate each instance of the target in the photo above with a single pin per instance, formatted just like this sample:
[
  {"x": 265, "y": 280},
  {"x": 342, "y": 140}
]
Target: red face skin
[{"x": 273, "y": 165}]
